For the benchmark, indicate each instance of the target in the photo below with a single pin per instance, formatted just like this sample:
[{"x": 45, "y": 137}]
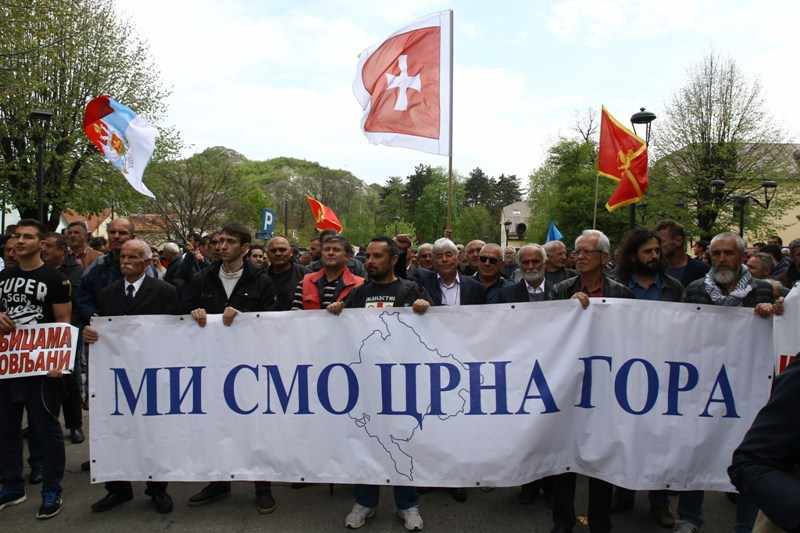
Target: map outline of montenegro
[{"x": 403, "y": 464}]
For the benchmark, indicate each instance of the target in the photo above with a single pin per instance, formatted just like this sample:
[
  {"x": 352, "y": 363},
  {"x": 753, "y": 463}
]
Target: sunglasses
[{"x": 490, "y": 260}]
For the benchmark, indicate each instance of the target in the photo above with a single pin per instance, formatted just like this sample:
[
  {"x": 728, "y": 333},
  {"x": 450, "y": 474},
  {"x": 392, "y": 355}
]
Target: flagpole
[
  {"x": 450, "y": 150},
  {"x": 596, "y": 183}
]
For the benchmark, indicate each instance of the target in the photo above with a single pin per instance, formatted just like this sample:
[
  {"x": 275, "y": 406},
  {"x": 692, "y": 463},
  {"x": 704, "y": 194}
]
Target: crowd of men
[{"x": 59, "y": 277}]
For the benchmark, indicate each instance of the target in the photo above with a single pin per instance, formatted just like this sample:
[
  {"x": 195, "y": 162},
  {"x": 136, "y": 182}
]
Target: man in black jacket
[
  {"x": 766, "y": 464},
  {"x": 231, "y": 287},
  {"x": 727, "y": 283},
  {"x": 673, "y": 249},
  {"x": 284, "y": 272},
  {"x": 135, "y": 294},
  {"x": 533, "y": 286},
  {"x": 445, "y": 285},
  {"x": 592, "y": 250}
]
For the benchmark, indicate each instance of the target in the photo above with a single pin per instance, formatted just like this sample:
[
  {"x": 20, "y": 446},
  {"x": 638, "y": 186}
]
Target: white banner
[
  {"x": 645, "y": 395},
  {"x": 787, "y": 335},
  {"x": 36, "y": 349}
]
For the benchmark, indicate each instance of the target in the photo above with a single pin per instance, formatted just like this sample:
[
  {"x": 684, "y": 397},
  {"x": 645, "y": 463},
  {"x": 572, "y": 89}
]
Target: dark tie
[
  {"x": 537, "y": 297},
  {"x": 129, "y": 291}
]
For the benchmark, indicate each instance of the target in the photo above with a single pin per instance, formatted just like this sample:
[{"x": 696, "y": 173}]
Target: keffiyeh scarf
[{"x": 733, "y": 298}]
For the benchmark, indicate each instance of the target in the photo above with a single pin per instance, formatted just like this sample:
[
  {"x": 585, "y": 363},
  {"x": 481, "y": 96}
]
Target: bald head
[{"x": 279, "y": 254}]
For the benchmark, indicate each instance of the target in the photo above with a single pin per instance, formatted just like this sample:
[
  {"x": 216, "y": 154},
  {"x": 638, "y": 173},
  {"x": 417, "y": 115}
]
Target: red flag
[
  {"x": 403, "y": 85},
  {"x": 623, "y": 158},
  {"x": 324, "y": 215}
]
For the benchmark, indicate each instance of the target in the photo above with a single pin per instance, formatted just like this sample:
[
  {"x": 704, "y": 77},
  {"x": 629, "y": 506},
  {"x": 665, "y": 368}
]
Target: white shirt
[
  {"x": 229, "y": 280},
  {"x": 451, "y": 294},
  {"x": 136, "y": 285},
  {"x": 535, "y": 290}
]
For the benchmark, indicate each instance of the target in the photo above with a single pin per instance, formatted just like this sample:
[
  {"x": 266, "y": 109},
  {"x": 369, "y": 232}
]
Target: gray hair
[
  {"x": 740, "y": 245},
  {"x": 603, "y": 244},
  {"x": 143, "y": 247},
  {"x": 443, "y": 245},
  {"x": 550, "y": 245},
  {"x": 533, "y": 246},
  {"x": 425, "y": 246},
  {"x": 172, "y": 248}
]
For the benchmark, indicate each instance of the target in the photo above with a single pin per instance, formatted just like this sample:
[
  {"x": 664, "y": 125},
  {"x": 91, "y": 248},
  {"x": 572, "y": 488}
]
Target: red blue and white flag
[{"x": 124, "y": 138}]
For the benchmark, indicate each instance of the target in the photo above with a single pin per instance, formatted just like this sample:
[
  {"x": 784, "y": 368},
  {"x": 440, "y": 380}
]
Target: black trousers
[
  {"x": 259, "y": 485},
  {"x": 600, "y": 494},
  {"x": 73, "y": 410},
  {"x": 41, "y": 397},
  {"x": 125, "y": 487}
]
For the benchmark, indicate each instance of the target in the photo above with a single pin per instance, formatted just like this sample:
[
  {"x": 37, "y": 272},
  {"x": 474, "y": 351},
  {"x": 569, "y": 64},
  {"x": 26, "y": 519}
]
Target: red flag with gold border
[
  {"x": 623, "y": 158},
  {"x": 323, "y": 215}
]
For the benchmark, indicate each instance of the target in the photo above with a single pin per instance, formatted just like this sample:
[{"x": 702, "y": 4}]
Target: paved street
[{"x": 312, "y": 509}]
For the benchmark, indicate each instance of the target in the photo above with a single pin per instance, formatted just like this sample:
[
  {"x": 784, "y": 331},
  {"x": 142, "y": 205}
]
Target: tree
[
  {"x": 506, "y": 191},
  {"x": 415, "y": 185},
  {"x": 717, "y": 128},
  {"x": 478, "y": 188},
  {"x": 202, "y": 193},
  {"x": 430, "y": 216},
  {"x": 55, "y": 55},
  {"x": 475, "y": 222}
]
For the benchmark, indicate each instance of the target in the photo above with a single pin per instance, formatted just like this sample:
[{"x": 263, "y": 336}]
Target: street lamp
[
  {"x": 741, "y": 200},
  {"x": 641, "y": 117},
  {"x": 43, "y": 118}
]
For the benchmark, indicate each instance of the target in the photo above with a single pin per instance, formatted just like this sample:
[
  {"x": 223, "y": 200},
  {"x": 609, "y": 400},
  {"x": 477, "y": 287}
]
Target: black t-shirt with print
[
  {"x": 27, "y": 297},
  {"x": 399, "y": 293}
]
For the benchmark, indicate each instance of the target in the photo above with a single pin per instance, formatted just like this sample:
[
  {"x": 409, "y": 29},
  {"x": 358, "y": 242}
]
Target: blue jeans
[
  {"x": 404, "y": 497},
  {"x": 690, "y": 507}
]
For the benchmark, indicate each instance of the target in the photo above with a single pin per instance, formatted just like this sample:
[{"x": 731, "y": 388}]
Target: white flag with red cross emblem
[{"x": 404, "y": 86}]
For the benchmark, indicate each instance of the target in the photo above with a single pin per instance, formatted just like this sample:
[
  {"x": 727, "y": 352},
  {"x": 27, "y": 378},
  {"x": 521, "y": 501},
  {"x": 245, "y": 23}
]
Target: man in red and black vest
[{"x": 331, "y": 284}]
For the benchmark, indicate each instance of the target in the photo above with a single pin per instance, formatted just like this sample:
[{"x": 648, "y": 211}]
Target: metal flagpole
[
  {"x": 594, "y": 218},
  {"x": 450, "y": 150}
]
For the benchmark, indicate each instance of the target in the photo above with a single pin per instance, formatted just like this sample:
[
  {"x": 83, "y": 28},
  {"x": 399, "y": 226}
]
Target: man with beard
[
  {"x": 640, "y": 268},
  {"x": 384, "y": 289},
  {"x": 285, "y": 273},
  {"x": 730, "y": 284},
  {"x": 532, "y": 287},
  {"x": 556, "y": 269},
  {"x": 679, "y": 265},
  {"x": 472, "y": 255},
  {"x": 490, "y": 269}
]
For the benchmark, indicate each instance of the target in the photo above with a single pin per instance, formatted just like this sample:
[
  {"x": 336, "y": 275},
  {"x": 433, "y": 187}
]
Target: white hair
[
  {"x": 444, "y": 244},
  {"x": 729, "y": 235},
  {"x": 143, "y": 247},
  {"x": 550, "y": 245},
  {"x": 603, "y": 244},
  {"x": 172, "y": 248},
  {"x": 425, "y": 246},
  {"x": 533, "y": 246}
]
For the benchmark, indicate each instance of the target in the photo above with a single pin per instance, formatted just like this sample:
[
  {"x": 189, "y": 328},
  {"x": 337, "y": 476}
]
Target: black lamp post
[
  {"x": 641, "y": 117},
  {"x": 740, "y": 201},
  {"x": 43, "y": 117},
  {"x": 507, "y": 226}
]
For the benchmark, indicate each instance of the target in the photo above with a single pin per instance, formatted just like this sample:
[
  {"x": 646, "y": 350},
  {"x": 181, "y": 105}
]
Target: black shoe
[
  {"x": 528, "y": 494},
  {"x": 111, "y": 500},
  {"x": 162, "y": 501},
  {"x": 76, "y": 436},
  {"x": 8, "y": 498},
  {"x": 265, "y": 503},
  {"x": 662, "y": 516},
  {"x": 35, "y": 476},
  {"x": 210, "y": 493},
  {"x": 561, "y": 529},
  {"x": 86, "y": 466},
  {"x": 459, "y": 494},
  {"x": 51, "y": 504}
]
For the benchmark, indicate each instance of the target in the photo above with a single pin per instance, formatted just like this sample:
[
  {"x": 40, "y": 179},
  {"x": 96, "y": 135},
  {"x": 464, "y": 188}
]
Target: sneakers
[
  {"x": 681, "y": 526},
  {"x": 265, "y": 503},
  {"x": 358, "y": 516},
  {"x": 8, "y": 498},
  {"x": 411, "y": 518},
  {"x": 51, "y": 504}
]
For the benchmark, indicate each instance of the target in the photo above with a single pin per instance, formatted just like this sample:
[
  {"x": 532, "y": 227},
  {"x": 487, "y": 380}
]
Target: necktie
[{"x": 129, "y": 292}]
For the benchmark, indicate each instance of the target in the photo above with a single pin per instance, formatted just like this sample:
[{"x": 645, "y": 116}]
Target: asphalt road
[{"x": 314, "y": 509}]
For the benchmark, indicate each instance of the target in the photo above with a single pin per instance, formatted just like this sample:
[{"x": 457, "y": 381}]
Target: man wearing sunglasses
[
  {"x": 490, "y": 269},
  {"x": 592, "y": 250}
]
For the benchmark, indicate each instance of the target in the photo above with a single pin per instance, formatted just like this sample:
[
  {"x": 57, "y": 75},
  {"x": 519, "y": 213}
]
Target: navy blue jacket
[
  {"x": 515, "y": 293},
  {"x": 472, "y": 292}
]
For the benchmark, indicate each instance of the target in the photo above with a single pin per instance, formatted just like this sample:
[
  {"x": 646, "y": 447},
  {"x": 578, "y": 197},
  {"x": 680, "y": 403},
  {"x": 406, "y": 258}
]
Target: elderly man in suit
[
  {"x": 532, "y": 287},
  {"x": 134, "y": 294},
  {"x": 445, "y": 284}
]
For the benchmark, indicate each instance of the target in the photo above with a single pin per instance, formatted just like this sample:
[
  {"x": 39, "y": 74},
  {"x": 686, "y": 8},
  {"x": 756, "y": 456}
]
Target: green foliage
[
  {"x": 475, "y": 222},
  {"x": 54, "y": 55}
]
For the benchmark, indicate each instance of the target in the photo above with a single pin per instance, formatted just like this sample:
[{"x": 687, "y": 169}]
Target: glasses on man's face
[
  {"x": 579, "y": 252},
  {"x": 490, "y": 260}
]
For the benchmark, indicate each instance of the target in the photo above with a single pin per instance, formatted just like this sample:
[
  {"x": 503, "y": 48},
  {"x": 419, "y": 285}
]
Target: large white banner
[{"x": 645, "y": 395}]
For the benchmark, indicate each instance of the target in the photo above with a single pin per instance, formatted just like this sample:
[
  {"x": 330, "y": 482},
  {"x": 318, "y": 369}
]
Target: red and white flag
[{"x": 404, "y": 86}]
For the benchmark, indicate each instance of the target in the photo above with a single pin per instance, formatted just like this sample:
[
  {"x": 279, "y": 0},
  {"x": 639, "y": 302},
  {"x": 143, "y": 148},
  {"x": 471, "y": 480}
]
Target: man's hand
[
  {"x": 403, "y": 241},
  {"x": 767, "y": 310},
  {"x": 90, "y": 335},
  {"x": 420, "y": 306},
  {"x": 199, "y": 316},
  {"x": 228, "y": 315},
  {"x": 6, "y": 324},
  {"x": 777, "y": 307},
  {"x": 582, "y": 297},
  {"x": 335, "y": 308}
]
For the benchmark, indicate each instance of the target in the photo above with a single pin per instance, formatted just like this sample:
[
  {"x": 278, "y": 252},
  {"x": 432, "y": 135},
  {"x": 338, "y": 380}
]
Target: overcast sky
[{"x": 273, "y": 78}]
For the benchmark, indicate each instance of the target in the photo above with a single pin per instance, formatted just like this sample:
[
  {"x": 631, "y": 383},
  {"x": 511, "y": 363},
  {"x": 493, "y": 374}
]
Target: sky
[{"x": 272, "y": 78}]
